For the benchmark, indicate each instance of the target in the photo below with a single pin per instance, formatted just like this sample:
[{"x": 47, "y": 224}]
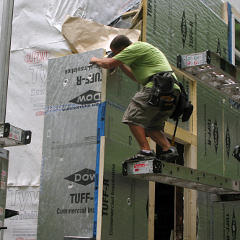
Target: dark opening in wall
[{"x": 169, "y": 206}]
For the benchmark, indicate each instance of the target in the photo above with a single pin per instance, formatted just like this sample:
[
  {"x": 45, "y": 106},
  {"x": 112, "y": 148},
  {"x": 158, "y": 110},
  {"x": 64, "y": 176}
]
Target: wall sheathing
[
  {"x": 218, "y": 133},
  {"x": 182, "y": 27},
  {"x": 125, "y": 200},
  {"x": 185, "y": 27},
  {"x": 216, "y": 6},
  {"x": 217, "y": 220}
]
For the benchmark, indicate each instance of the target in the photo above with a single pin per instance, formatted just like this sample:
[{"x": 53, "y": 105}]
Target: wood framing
[
  {"x": 144, "y": 19},
  {"x": 225, "y": 12},
  {"x": 151, "y": 210},
  {"x": 101, "y": 164},
  {"x": 100, "y": 190},
  {"x": 151, "y": 201},
  {"x": 182, "y": 136},
  {"x": 129, "y": 13},
  {"x": 190, "y": 196}
]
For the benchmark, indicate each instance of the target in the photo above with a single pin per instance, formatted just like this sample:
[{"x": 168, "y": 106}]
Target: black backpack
[{"x": 184, "y": 107}]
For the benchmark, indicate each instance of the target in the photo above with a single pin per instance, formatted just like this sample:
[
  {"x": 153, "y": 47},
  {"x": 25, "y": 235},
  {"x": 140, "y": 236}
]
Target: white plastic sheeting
[
  {"x": 25, "y": 108},
  {"x": 234, "y": 3},
  {"x": 25, "y": 201},
  {"x": 30, "y": 25},
  {"x": 101, "y": 11},
  {"x": 39, "y": 22},
  {"x": 35, "y": 38}
]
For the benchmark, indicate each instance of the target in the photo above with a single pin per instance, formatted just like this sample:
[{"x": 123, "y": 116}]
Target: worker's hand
[
  {"x": 107, "y": 63},
  {"x": 93, "y": 60}
]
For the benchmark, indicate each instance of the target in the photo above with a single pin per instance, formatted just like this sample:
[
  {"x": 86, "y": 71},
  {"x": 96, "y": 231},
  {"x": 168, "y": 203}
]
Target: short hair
[{"x": 120, "y": 41}]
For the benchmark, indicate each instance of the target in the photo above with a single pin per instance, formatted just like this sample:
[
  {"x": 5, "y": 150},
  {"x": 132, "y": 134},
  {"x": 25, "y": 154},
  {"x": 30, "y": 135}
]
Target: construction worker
[{"x": 143, "y": 63}]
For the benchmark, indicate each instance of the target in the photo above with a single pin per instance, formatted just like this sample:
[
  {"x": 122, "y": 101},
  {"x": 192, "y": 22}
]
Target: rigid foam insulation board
[
  {"x": 217, "y": 220},
  {"x": 66, "y": 206},
  {"x": 218, "y": 132},
  {"x": 183, "y": 27},
  {"x": 125, "y": 200}
]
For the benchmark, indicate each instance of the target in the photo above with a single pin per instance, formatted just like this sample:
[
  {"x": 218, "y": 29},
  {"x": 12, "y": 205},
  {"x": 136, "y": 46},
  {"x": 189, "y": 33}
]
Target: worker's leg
[
  {"x": 139, "y": 134},
  {"x": 160, "y": 138},
  {"x": 169, "y": 153}
]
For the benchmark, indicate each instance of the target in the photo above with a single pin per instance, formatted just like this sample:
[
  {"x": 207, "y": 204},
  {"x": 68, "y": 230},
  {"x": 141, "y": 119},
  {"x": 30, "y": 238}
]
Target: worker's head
[{"x": 119, "y": 43}]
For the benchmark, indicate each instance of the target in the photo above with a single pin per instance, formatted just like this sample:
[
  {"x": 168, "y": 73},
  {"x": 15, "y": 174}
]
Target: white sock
[{"x": 146, "y": 151}]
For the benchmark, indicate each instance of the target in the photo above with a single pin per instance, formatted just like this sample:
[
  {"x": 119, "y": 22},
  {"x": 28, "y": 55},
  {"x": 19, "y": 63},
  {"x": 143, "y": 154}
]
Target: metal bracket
[
  {"x": 124, "y": 169},
  {"x": 13, "y": 136},
  {"x": 157, "y": 166},
  {"x": 234, "y": 198},
  {"x": 160, "y": 171},
  {"x": 229, "y": 197},
  {"x": 214, "y": 71}
]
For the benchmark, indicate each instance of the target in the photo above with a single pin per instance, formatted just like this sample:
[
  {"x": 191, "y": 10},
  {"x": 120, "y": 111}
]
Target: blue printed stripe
[
  {"x": 100, "y": 132},
  {"x": 229, "y": 10}
]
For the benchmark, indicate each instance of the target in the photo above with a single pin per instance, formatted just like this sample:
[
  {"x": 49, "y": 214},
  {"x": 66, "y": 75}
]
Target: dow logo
[
  {"x": 88, "y": 97},
  {"x": 83, "y": 177}
]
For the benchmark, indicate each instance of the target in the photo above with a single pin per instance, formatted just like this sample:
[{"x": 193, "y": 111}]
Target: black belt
[{"x": 150, "y": 79}]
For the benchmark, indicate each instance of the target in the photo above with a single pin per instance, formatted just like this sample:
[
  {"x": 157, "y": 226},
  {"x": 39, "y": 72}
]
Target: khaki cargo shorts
[{"x": 140, "y": 113}]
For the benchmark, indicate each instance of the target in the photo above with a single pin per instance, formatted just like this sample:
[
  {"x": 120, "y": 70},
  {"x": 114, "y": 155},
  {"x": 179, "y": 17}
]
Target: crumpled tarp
[{"x": 85, "y": 35}]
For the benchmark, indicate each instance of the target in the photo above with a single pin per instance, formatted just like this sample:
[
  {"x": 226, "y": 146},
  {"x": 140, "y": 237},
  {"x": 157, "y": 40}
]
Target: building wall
[
  {"x": 185, "y": 27},
  {"x": 180, "y": 27}
]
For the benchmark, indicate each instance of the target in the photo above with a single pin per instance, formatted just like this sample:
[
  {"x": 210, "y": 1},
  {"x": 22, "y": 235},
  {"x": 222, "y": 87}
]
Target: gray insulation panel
[
  {"x": 69, "y": 147},
  {"x": 70, "y": 150}
]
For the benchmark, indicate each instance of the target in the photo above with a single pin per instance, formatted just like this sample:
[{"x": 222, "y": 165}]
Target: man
[{"x": 142, "y": 62}]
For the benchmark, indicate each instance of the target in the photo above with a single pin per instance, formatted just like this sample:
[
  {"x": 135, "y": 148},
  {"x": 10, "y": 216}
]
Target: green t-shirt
[{"x": 144, "y": 60}]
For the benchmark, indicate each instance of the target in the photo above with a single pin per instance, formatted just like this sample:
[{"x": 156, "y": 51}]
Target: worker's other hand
[
  {"x": 107, "y": 63},
  {"x": 93, "y": 60}
]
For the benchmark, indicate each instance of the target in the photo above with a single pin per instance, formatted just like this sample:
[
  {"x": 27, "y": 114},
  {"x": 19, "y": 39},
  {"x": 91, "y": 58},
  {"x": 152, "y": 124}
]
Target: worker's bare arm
[
  {"x": 110, "y": 63},
  {"x": 107, "y": 63},
  {"x": 127, "y": 70}
]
